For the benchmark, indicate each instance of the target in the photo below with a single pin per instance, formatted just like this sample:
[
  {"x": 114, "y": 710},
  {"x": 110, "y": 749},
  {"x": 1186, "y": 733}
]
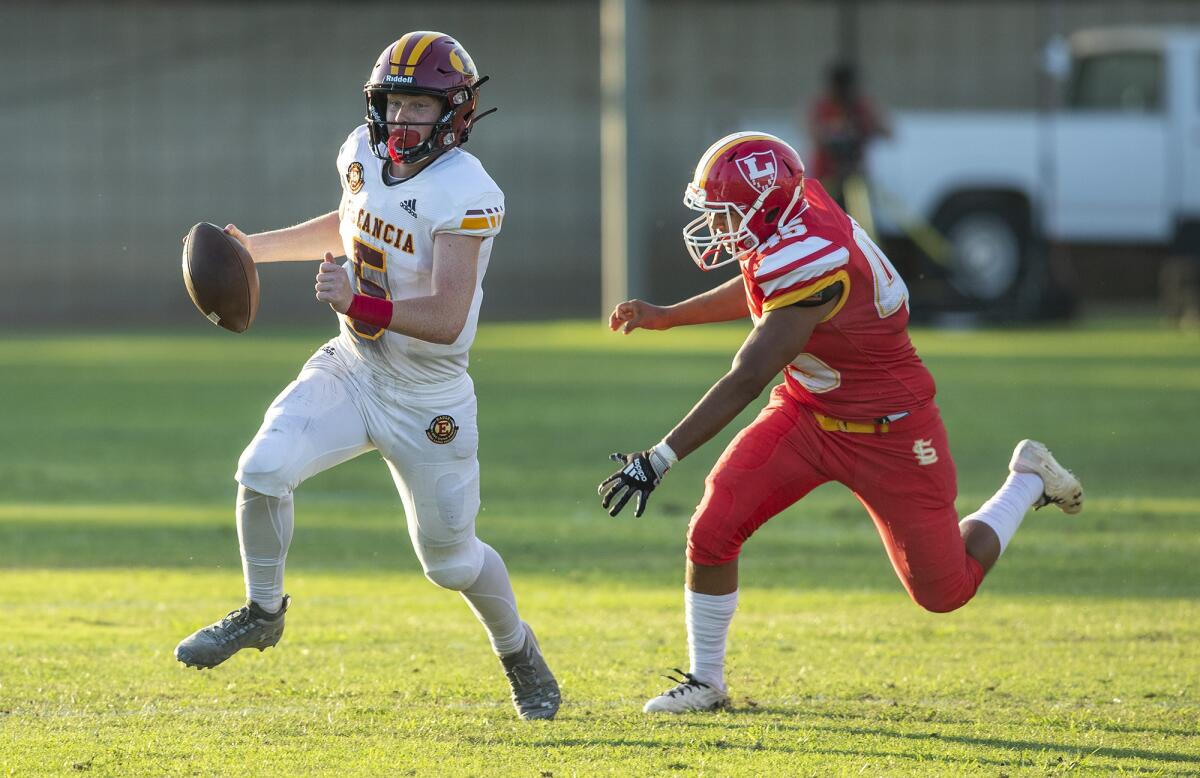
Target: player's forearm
[
  {"x": 772, "y": 344},
  {"x": 307, "y": 241},
  {"x": 721, "y": 405},
  {"x": 432, "y": 319},
  {"x": 725, "y": 303}
]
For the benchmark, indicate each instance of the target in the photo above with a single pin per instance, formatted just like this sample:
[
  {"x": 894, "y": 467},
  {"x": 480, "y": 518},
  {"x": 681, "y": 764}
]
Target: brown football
[{"x": 220, "y": 277}]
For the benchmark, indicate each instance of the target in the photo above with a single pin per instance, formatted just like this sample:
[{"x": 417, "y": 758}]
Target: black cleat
[{"x": 248, "y": 627}]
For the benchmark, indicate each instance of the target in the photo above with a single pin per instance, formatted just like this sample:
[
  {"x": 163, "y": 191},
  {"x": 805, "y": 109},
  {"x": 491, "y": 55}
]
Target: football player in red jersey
[{"x": 856, "y": 404}]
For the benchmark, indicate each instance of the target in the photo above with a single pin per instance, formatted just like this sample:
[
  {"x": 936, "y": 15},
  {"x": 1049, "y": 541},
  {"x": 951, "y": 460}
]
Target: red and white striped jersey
[{"x": 859, "y": 363}]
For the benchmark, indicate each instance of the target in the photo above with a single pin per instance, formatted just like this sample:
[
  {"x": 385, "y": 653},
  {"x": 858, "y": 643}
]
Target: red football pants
[{"x": 904, "y": 477}]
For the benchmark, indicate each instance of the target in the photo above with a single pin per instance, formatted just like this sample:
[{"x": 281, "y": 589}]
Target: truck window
[{"x": 1118, "y": 81}]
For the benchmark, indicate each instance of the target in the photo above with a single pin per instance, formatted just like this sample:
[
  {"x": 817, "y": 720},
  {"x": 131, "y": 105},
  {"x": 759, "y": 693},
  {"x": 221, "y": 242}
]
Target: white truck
[{"x": 1114, "y": 165}]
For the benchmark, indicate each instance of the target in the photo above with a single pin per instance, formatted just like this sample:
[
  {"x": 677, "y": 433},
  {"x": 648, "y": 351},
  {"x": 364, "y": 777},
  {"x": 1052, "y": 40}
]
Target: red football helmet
[
  {"x": 426, "y": 63},
  {"x": 752, "y": 176}
]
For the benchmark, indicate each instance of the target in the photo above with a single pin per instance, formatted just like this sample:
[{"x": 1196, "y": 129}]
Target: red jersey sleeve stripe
[
  {"x": 812, "y": 260},
  {"x": 790, "y": 254},
  {"x": 806, "y": 271}
]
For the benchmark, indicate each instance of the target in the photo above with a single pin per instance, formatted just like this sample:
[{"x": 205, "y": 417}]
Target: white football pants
[{"x": 338, "y": 408}]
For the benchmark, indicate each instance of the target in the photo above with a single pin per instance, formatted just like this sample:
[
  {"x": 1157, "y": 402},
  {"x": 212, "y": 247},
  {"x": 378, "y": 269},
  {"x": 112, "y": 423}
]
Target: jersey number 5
[
  {"x": 890, "y": 292},
  {"x": 368, "y": 258}
]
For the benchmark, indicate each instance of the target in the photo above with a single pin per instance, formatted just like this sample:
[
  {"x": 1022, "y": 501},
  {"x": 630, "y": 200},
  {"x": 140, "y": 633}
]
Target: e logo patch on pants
[{"x": 442, "y": 429}]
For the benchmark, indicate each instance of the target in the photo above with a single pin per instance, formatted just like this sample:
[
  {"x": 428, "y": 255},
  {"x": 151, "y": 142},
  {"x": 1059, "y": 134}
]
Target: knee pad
[
  {"x": 452, "y": 567},
  {"x": 442, "y": 502},
  {"x": 936, "y": 602},
  {"x": 270, "y": 464},
  {"x": 939, "y": 598},
  {"x": 947, "y": 592},
  {"x": 711, "y": 550},
  {"x": 713, "y": 536}
]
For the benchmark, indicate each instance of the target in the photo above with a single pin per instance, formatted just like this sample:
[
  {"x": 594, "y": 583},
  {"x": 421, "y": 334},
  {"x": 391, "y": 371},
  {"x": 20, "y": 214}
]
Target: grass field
[{"x": 1080, "y": 655}]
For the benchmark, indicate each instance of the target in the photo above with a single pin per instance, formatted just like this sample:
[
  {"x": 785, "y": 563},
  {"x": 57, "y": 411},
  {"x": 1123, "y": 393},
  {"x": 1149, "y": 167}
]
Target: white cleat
[
  {"x": 691, "y": 694},
  {"x": 1060, "y": 486}
]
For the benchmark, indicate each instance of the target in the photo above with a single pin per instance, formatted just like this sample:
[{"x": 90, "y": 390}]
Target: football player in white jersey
[{"x": 416, "y": 222}]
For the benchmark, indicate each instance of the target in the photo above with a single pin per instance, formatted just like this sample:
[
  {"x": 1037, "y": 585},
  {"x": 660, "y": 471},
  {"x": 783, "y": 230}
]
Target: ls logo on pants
[{"x": 926, "y": 453}]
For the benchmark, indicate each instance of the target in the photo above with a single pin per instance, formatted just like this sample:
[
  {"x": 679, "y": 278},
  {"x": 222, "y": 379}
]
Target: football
[{"x": 220, "y": 277}]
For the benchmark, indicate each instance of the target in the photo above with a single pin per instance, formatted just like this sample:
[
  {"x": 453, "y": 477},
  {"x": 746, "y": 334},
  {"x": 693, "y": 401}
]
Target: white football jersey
[{"x": 387, "y": 233}]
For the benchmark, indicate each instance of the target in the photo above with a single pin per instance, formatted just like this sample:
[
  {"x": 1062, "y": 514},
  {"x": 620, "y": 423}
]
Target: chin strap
[
  {"x": 754, "y": 214},
  {"x": 797, "y": 197}
]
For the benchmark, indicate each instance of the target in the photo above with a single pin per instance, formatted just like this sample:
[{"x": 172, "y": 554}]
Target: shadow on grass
[
  {"x": 675, "y": 759},
  {"x": 756, "y": 710},
  {"x": 729, "y": 721},
  {"x": 1025, "y": 745}
]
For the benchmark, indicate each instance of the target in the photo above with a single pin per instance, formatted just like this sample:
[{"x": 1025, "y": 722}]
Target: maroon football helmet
[
  {"x": 751, "y": 175},
  {"x": 426, "y": 63}
]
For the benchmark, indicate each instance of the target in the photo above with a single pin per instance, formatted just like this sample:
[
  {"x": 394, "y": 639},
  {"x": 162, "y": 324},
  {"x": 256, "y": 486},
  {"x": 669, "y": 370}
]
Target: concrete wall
[{"x": 123, "y": 123}]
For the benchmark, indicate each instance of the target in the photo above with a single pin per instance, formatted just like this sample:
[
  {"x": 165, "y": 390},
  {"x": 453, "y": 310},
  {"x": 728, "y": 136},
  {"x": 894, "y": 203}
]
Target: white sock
[
  {"x": 264, "y": 526},
  {"x": 1008, "y": 506},
  {"x": 495, "y": 605},
  {"x": 708, "y": 617}
]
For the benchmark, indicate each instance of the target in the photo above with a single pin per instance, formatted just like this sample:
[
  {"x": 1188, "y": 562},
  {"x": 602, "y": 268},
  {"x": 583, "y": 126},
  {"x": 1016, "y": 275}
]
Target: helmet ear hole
[{"x": 771, "y": 216}]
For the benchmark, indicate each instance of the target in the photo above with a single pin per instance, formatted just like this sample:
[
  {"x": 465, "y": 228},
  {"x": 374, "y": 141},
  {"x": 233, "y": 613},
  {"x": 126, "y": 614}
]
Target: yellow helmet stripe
[
  {"x": 418, "y": 50},
  {"x": 398, "y": 50},
  {"x": 710, "y": 157}
]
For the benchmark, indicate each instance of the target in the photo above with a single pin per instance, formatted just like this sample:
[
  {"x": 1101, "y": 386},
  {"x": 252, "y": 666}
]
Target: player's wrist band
[
  {"x": 370, "y": 310},
  {"x": 663, "y": 458}
]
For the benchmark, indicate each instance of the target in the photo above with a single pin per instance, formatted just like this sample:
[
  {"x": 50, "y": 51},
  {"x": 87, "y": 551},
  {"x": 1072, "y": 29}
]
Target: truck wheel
[{"x": 989, "y": 247}]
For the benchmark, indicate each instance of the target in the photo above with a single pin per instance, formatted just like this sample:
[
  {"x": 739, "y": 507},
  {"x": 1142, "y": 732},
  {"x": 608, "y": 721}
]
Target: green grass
[{"x": 116, "y": 539}]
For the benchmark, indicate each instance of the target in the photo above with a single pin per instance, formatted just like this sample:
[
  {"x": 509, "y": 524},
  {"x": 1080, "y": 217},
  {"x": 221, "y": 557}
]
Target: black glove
[{"x": 638, "y": 477}]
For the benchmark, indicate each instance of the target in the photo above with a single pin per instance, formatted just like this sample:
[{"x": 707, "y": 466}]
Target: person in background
[{"x": 841, "y": 123}]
